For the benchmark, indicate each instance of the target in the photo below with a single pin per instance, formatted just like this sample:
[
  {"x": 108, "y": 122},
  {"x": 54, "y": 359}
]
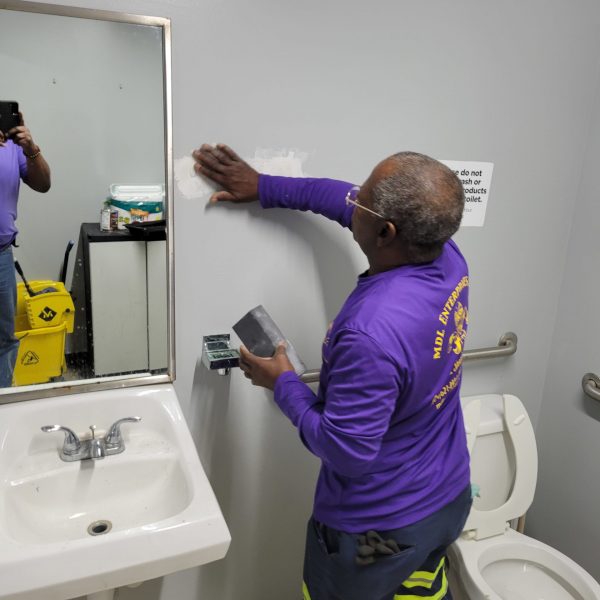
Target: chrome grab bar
[
  {"x": 311, "y": 376},
  {"x": 507, "y": 345},
  {"x": 591, "y": 385}
]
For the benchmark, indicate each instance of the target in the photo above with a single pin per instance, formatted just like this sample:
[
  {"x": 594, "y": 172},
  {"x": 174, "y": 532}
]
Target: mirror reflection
[{"x": 91, "y": 294}]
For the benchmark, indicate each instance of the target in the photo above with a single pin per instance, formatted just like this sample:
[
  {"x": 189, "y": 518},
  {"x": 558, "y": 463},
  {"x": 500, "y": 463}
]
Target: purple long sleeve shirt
[
  {"x": 13, "y": 168},
  {"x": 386, "y": 421}
]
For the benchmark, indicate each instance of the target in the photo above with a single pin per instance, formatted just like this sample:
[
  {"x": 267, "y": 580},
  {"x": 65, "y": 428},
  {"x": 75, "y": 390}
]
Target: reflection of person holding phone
[{"x": 20, "y": 159}]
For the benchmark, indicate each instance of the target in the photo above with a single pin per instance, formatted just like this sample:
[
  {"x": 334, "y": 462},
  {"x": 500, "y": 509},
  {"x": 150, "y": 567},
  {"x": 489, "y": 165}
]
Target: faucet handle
[
  {"x": 113, "y": 437},
  {"x": 72, "y": 444}
]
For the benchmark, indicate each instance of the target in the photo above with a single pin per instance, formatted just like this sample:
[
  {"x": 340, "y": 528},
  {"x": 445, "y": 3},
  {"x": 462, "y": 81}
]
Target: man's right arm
[
  {"x": 322, "y": 196},
  {"x": 241, "y": 183}
]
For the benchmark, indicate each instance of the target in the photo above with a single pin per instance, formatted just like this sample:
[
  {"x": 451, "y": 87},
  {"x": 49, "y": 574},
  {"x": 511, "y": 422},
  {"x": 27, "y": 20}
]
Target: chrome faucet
[
  {"x": 114, "y": 440},
  {"x": 95, "y": 448},
  {"x": 72, "y": 446}
]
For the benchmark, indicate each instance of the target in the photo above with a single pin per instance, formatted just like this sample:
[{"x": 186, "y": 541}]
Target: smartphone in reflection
[{"x": 9, "y": 115}]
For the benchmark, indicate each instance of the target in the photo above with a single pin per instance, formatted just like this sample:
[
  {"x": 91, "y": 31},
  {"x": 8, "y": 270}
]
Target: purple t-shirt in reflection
[
  {"x": 13, "y": 168},
  {"x": 386, "y": 421}
]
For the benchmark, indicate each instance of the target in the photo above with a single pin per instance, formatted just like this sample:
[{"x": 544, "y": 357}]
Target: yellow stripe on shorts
[
  {"x": 305, "y": 593},
  {"x": 441, "y": 593},
  {"x": 424, "y": 578}
]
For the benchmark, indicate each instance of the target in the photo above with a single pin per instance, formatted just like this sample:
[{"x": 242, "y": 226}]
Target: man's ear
[{"x": 387, "y": 234}]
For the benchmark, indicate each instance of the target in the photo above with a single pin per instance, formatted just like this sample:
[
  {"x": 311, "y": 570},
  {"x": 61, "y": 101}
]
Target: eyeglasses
[{"x": 352, "y": 198}]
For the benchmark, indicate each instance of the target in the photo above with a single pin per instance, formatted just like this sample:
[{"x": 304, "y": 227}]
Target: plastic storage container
[{"x": 137, "y": 203}]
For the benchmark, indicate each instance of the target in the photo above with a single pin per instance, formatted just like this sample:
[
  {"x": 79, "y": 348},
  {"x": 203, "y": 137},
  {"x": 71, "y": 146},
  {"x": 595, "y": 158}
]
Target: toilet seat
[
  {"x": 491, "y": 561},
  {"x": 469, "y": 559},
  {"x": 519, "y": 429}
]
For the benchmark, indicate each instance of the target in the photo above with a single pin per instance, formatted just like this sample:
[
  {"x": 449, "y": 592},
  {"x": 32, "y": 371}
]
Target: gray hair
[{"x": 423, "y": 198}]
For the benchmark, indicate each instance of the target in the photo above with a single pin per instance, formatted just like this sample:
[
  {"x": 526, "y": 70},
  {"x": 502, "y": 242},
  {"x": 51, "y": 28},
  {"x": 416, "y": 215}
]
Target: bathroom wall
[
  {"x": 78, "y": 97},
  {"x": 565, "y": 513},
  {"x": 348, "y": 83}
]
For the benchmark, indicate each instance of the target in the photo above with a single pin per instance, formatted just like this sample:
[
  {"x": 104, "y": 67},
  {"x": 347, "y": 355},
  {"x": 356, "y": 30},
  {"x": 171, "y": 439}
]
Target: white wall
[
  {"x": 90, "y": 92},
  {"x": 565, "y": 513},
  {"x": 350, "y": 82}
]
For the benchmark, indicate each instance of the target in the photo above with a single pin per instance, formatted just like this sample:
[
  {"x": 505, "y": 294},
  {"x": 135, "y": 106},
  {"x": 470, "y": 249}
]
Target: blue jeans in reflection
[{"x": 9, "y": 345}]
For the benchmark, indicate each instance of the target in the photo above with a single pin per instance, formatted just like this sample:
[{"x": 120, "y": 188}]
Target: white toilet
[{"x": 490, "y": 560}]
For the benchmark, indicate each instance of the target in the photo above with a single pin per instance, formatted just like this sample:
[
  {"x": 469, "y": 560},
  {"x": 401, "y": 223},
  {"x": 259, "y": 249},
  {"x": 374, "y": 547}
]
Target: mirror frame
[{"x": 48, "y": 390}]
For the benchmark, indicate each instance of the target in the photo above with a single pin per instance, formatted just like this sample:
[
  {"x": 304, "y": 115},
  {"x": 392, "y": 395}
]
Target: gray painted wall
[
  {"x": 90, "y": 92},
  {"x": 348, "y": 82},
  {"x": 565, "y": 513}
]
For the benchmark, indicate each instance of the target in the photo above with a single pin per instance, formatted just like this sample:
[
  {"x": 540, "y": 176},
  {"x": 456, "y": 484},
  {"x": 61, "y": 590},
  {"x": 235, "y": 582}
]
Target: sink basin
[
  {"x": 74, "y": 528},
  {"x": 61, "y": 504}
]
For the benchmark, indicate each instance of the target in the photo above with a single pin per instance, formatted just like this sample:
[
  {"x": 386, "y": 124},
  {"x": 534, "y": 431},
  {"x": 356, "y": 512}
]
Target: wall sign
[{"x": 476, "y": 178}]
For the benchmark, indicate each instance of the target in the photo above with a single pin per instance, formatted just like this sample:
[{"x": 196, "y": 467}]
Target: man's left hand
[{"x": 265, "y": 371}]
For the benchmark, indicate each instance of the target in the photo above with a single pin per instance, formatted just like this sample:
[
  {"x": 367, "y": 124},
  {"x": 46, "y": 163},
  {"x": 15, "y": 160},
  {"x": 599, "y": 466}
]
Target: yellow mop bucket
[
  {"x": 42, "y": 322},
  {"x": 45, "y": 313},
  {"x": 48, "y": 309},
  {"x": 41, "y": 355}
]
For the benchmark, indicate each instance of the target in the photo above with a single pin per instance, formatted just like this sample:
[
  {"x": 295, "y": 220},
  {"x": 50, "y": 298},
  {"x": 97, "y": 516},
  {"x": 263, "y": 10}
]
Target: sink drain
[{"x": 99, "y": 527}]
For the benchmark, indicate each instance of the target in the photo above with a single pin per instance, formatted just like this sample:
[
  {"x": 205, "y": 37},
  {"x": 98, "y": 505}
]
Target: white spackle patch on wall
[
  {"x": 191, "y": 185},
  {"x": 287, "y": 163}
]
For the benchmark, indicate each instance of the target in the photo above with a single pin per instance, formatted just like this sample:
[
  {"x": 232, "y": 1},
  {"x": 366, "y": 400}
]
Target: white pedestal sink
[{"x": 69, "y": 529}]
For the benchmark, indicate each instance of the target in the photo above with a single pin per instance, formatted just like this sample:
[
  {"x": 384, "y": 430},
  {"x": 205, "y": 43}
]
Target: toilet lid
[{"x": 519, "y": 432}]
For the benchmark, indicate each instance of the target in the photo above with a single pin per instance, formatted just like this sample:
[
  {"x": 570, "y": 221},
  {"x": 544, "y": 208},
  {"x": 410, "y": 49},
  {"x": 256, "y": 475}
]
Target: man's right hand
[{"x": 223, "y": 166}]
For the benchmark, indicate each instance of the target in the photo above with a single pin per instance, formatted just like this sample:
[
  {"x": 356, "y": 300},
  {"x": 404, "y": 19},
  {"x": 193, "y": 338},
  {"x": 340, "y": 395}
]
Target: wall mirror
[{"x": 94, "y": 89}]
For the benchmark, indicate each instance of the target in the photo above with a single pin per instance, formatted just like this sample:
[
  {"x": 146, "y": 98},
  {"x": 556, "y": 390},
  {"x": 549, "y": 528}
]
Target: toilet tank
[{"x": 492, "y": 457}]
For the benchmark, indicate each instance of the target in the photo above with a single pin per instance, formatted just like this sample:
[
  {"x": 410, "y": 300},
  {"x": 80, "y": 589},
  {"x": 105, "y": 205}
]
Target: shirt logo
[
  {"x": 450, "y": 339},
  {"x": 457, "y": 339},
  {"x": 454, "y": 312}
]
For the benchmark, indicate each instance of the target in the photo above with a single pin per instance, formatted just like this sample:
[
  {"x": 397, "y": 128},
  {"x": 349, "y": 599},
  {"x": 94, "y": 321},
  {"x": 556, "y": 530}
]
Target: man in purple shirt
[
  {"x": 393, "y": 491},
  {"x": 20, "y": 159}
]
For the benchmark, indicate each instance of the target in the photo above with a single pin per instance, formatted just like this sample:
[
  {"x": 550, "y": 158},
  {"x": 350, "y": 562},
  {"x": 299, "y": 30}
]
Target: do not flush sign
[{"x": 476, "y": 178}]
